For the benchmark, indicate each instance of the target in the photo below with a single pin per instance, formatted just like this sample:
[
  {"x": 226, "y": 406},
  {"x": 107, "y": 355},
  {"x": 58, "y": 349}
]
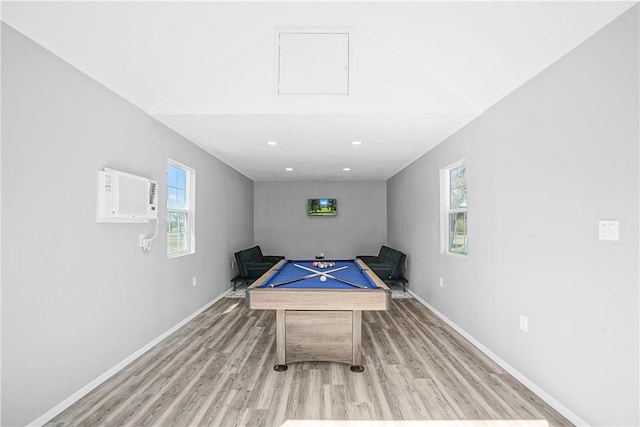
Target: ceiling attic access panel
[{"x": 313, "y": 62}]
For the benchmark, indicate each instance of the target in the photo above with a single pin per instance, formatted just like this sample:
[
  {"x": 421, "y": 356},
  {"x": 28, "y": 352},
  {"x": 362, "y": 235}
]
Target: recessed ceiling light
[
  {"x": 356, "y": 142},
  {"x": 346, "y": 169},
  {"x": 288, "y": 169},
  {"x": 272, "y": 143}
]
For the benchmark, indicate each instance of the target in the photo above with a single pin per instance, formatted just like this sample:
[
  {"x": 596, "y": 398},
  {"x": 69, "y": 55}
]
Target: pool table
[{"x": 319, "y": 308}]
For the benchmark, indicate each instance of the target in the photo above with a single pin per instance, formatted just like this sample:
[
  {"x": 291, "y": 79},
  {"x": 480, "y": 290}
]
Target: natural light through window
[
  {"x": 453, "y": 200},
  {"x": 180, "y": 209}
]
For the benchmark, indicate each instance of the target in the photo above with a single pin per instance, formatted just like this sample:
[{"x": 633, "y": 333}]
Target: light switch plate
[{"x": 608, "y": 229}]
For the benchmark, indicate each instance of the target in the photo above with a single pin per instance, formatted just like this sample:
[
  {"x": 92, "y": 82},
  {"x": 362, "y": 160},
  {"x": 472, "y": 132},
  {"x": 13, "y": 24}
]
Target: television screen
[{"x": 322, "y": 207}]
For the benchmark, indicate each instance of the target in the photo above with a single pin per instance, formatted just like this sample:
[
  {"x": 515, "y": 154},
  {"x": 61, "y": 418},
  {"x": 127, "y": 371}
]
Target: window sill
[
  {"x": 180, "y": 254},
  {"x": 454, "y": 255}
]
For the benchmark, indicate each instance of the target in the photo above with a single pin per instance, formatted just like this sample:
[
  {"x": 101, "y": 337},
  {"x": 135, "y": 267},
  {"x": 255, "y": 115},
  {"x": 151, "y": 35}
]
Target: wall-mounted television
[{"x": 322, "y": 207}]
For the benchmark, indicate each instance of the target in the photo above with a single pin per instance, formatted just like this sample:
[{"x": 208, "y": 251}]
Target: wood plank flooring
[{"x": 218, "y": 371}]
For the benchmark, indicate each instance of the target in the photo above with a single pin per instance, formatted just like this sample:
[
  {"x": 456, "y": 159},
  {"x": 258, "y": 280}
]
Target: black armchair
[
  {"x": 253, "y": 264},
  {"x": 387, "y": 265}
]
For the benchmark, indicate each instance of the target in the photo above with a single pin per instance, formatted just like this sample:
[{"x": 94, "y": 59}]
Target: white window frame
[
  {"x": 445, "y": 210},
  {"x": 190, "y": 211}
]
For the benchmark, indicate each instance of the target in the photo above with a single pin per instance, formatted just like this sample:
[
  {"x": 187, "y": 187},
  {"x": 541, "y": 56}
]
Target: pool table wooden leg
[
  {"x": 356, "y": 335},
  {"x": 281, "y": 364}
]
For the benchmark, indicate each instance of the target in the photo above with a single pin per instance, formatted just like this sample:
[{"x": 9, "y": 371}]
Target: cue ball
[{"x": 323, "y": 278}]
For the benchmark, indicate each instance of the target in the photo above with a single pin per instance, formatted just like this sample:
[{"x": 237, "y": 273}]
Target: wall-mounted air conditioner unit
[{"x": 123, "y": 197}]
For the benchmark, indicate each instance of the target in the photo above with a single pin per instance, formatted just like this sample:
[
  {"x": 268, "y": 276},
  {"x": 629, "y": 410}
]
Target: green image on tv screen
[{"x": 322, "y": 207}]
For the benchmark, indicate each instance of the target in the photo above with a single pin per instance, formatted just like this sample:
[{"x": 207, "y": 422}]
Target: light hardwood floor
[{"x": 218, "y": 371}]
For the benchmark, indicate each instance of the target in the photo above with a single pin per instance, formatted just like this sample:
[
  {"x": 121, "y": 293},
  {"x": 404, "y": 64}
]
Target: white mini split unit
[{"x": 123, "y": 197}]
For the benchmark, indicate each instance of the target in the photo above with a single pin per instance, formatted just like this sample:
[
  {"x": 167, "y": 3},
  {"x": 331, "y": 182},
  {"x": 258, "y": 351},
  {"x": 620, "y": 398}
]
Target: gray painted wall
[
  {"x": 77, "y": 296},
  {"x": 282, "y": 226},
  {"x": 544, "y": 165}
]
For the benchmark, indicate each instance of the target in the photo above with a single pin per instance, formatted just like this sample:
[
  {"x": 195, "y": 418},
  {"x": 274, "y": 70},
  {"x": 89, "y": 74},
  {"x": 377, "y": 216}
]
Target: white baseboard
[
  {"x": 44, "y": 418},
  {"x": 504, "y": 365}
]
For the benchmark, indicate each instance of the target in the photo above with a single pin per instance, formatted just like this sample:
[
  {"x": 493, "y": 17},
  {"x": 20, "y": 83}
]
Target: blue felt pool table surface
[{"x": 289, "y": 271}]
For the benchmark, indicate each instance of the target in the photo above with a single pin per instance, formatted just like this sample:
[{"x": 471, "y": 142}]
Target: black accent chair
[
  {"x": 388, "y": 265},
  {"x": 253, "y": 264}
]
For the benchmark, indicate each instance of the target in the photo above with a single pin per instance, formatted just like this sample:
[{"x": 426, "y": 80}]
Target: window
[
  {"x": 453, "y": 202},
  {"x": 180, "y": 209}
]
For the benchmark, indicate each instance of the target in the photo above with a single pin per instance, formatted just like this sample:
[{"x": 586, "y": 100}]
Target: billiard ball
[{"x": 323, "y": 278}]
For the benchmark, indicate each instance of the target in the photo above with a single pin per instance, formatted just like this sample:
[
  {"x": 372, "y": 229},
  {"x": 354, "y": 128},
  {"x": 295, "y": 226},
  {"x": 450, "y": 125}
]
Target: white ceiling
[{"x": 419, "y": 71}]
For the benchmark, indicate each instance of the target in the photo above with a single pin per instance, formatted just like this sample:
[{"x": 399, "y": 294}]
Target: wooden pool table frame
[{"x": 318, "y": 324}]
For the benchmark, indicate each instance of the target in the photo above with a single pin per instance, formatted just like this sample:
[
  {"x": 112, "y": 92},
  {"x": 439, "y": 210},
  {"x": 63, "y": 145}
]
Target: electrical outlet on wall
[
  {"x": 194, "y": 282},
  {"x": 524, "y": 323},
  {"x": 442, "y": 282}
]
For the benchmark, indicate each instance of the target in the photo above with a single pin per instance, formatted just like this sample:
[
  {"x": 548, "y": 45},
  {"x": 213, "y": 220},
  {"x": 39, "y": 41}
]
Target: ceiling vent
[{"x": 313, "y": 62}]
